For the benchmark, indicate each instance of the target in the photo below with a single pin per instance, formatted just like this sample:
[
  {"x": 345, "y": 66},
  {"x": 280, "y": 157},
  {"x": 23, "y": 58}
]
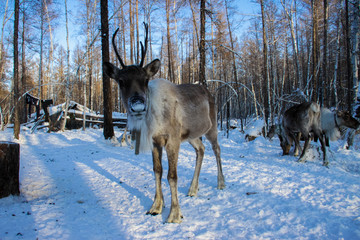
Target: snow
[
  {"x": 254, "y": 128},
  {"x": 76, "y": 185}
]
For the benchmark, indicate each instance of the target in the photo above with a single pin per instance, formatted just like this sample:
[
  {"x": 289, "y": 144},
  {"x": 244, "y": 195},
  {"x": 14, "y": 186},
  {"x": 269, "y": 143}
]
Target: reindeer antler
[
  {"x": 115, "y": 48},
  {"x": 143, "y": 50}
]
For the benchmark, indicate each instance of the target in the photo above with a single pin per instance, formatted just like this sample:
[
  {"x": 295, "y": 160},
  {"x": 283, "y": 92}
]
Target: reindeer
[
  {"x": 332, "y": 121},
  {"x": 284, "y": 144},
  {"x": 303, "y": 119},
  {"x": 162, "y": 115}
]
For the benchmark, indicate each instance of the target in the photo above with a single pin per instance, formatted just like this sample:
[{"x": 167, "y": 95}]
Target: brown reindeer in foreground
[
  {"x": 162, "y": 115},
  {"x": 304, "y": 118}
]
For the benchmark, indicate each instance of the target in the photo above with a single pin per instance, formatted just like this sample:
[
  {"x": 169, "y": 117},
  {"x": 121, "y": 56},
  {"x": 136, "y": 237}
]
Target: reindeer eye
[{"x": 120, "y": 82}]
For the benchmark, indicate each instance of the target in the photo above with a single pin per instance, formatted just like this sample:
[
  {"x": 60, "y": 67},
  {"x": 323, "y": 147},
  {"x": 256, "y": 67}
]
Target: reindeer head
[
  {"x": 133, "y": 79},
  {"x": 345, "y": 118}
]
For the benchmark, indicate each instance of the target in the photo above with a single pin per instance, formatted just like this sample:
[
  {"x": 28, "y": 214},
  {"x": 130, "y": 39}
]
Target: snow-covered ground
[{"x": 76, "y": 185}]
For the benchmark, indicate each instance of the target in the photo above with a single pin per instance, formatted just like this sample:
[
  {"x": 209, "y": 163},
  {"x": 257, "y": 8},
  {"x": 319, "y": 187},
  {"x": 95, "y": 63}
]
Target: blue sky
[{"x": 246, "y": 10}]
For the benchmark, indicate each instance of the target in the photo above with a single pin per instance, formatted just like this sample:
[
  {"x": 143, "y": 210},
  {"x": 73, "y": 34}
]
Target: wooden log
[{"x": 9, "y": 168}]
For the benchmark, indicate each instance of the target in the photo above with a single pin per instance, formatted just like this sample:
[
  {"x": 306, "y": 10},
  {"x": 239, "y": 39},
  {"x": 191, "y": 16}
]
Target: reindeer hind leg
[
  {"x": 305, "y": 149},
  {"x": 322, "y": 139},
  {"x": 212, "y": 137}
]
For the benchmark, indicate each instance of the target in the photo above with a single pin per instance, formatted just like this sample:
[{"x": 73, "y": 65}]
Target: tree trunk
[
  {"x": 23, "y": 117},
  {"x": 9, "y": 166},
  {"x": 171, "y": 74},
  {"x": 202, "y": 77},
  {"x": 16, "y": 72},
  {"x": 289, "y": 14},
  {"x": 131, "y": 32},
  {"x": 108, "y": 125},
  {"x": 355, "y": 36},
  {"x": 178, "y": 60},
  {"x": 2, "y": 52},
  {"x": 137, "y": 31},
  {"x": 67, "y": 87},
  {"x": 40, "y": 93},
  {"x": 50, "y": 94},
  {"x": 315, "y": 53},
  {"x": 265, "y": 73},
  {"x": 233, "y": 58},
  {"x": 337, "y": 53},
  {"x": 324, "y": 70}
]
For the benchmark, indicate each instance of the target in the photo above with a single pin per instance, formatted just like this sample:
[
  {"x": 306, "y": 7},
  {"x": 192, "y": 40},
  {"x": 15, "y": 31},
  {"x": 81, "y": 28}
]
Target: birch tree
[
  {"x": 265, "y": 71},
  {"x": 355, "y": 36},
  {"x": 315, "y": 50},
  {"x": 324, "y": 65},
  {"x": 291, "y": 21},
  {"x": 67, "y": 86},
  {"x": 6, "y": 17}
]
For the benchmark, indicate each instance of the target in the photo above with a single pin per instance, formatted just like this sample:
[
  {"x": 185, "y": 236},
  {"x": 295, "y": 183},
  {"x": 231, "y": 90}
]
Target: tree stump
[{"x": 9, "y": 168}]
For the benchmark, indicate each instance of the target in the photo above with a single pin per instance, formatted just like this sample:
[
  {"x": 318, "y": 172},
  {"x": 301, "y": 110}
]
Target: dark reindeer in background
[
  {"x": 303, "y": 119},
  {"x": 331, "y": 123},
  {"x": 162, "y": 115}
]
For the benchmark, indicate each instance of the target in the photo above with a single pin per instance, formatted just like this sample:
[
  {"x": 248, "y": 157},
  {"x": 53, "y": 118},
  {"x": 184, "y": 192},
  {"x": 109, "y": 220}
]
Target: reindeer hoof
[
  {"x": 221, "y": 186},
  {"x": 193, "y": 191},
  {"x": 156, "y": 208},
  {"x": 175, "y": 216},
  {"x": 220, "y": 182},
  {"x": 326, "y": 164},
  {"x": 301, "y": 160},
  {"x": 151, "y": 213},
  {"x": 172, "y": 219},
  {"x": 192, "y": 194}
]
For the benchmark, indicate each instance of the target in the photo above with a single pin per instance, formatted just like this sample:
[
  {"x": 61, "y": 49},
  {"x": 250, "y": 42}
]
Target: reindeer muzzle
[{"x": 137, "y": 105}]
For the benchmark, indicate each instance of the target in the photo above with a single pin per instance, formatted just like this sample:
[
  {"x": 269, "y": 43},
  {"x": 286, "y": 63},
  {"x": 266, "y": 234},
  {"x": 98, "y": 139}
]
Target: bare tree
[
  {"x": 108, "y": 125},
  {"x": 265, "y": 73},
  {"x": 16, "y": 72},
  {"x": 67, "y": 86},
  {"x": 6, "y": 17},
  {"x": 315, "y": 50},
  {"x": 290, "y": 16},
  {"x": 40, "y": 81},
  {"x": 23, "y": 117},
  {"x": 355, "y": 49},
  {"x": 202, "y": 78}
]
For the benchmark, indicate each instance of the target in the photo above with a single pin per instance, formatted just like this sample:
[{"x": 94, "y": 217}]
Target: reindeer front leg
[
  {"x": 158, "y": 204},
  {"x": 172, "y": 150},
  {"x": 199, "y": 148}
]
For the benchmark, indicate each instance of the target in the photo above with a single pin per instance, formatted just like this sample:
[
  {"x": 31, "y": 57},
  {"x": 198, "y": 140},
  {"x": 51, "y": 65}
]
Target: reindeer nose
[{"x": 137, "y": 104}]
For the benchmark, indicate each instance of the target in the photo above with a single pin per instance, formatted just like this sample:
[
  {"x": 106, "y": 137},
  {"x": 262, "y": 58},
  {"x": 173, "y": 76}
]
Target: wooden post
[{"x": 9, "y": 168}]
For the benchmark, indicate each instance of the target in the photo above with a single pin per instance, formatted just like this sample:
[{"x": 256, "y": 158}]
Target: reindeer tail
[{"x": 315, "y": 107}]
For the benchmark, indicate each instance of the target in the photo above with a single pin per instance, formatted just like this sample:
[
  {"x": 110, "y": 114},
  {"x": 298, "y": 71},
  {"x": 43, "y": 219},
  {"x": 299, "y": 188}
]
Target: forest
[{"x": 257, "y": 62}]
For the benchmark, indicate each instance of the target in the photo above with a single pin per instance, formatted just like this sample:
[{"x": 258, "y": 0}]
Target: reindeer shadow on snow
[
  {"x": 162, "y": 115},
  {"x": 308, "y": 121}
]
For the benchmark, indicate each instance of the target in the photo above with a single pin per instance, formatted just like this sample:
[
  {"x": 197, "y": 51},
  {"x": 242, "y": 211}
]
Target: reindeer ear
[
  {"x": 111, "y": 70},
  {"x": 152, "y": 68}
]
